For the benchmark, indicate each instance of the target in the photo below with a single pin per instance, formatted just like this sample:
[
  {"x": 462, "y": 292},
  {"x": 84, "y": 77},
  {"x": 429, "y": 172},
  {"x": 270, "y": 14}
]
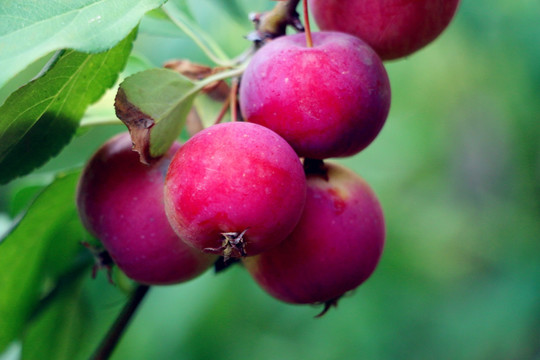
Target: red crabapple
[
  {"x": 329, "y": 100},
  {"x": 335, "y": 246},
  {"x": 393, "y": 28},
  {"x": 235, "y": 189},
  {"x": 120, "y": 201}
]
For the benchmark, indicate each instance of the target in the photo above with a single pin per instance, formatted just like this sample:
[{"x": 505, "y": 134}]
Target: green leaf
[
  {"x": 26, "y": 253},
  {"x": 102, "y": 112},
  {"x": 157, "y": 23},
  {"x": 22, "y": 197},
  {"x": 203, "y": 40},
  {"x": 57, "y": 332},
  {"x": 154, "y": 105},
  {"x": 30, "y": 29},
  {"x": 23, "y": 77},
  {"x": 40, "y": 118},
  {"x": 234, "y": 9},
  {"x": 136, "y": 63},
  {"x": 160, "y": 27},
  {"x": 184, "y": 7}
]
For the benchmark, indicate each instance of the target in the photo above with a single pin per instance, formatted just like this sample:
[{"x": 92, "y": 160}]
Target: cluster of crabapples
[{"x": 262, "y": 190}]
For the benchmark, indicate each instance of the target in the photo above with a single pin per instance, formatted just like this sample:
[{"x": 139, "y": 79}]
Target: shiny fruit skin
[
  {"x": 330, "y": 100},
  {"x": 120, "y": 201},
  {"x": 393, "y": 28},
  {"x": 335, "y": 247},
  {"x": 235, "y": 177}
]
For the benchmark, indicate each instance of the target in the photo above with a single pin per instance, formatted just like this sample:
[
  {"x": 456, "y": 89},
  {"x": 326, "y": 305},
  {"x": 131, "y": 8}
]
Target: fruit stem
[
  {"x": 309, "y": 40},
  {"x": 234, "y": 99},
  {"x": 223, "y": 110},
  {"x": 221, "y": 265},
  {"x": 315, "y": 167},
  {"x": 114, "y": 334}
]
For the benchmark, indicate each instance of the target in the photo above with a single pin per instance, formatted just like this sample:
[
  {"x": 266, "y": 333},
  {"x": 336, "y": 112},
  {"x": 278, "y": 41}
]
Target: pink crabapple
[
  {"x": 393, "y": 28},
  {"x": 120, "y": 201},
  {"x": 235, "y": 189},
  {"x": 329, "y": 100},
  {"x": 335, "y": 247}
]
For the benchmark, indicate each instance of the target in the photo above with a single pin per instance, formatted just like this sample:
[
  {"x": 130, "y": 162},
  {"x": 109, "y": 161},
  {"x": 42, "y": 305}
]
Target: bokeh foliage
[{"x": 457, "y": 169}]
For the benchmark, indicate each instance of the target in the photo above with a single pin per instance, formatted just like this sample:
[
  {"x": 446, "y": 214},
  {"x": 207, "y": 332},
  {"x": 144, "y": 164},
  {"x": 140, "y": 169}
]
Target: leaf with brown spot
[{"x": 154, "y": 105}]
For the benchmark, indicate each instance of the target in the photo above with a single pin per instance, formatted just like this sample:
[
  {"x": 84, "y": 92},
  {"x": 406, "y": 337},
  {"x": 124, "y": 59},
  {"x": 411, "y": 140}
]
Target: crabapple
[
  {"x": 335, "y": 246},
  {"x": 393, "y": 28},
  {"x": 329, "y": 100},
  {"x": 235, "y": 189},
  {"x": 120, "y": 201}
]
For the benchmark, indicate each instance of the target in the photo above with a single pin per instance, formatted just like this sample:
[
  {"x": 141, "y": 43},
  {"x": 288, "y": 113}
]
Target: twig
[
  {"x": 274, "y": 23},
  {"x": 116, "y": 331},
  {"x": 223, "y": 110},
  {"x": 234, "y": 99}
]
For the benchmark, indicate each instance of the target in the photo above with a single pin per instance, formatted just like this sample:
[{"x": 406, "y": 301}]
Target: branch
[
  {"x": 273, "y": 23},
  {"x": 116, "y": 331}
]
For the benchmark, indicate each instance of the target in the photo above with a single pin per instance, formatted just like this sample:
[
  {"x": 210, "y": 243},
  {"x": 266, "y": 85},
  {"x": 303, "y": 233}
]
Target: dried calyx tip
[
  {"x": 327, "y": 305},
  {"x": 102, "y": 260},
  {"x": 233, "y": 245}
]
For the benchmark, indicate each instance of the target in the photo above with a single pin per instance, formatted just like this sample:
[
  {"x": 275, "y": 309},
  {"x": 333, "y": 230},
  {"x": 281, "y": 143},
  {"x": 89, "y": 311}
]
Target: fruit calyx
[
  {"x": 102, "y": 260},
  {"x": 327, "y": 305},
  {"x": 233, "y": 245}
]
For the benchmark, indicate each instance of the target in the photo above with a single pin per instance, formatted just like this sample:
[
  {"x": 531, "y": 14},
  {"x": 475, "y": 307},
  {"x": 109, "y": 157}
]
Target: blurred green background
[{"x": 457, "y": 170}]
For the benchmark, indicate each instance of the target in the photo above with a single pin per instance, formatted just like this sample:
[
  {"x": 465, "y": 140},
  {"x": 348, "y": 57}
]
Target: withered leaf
[{"x": 154, "y": 105}]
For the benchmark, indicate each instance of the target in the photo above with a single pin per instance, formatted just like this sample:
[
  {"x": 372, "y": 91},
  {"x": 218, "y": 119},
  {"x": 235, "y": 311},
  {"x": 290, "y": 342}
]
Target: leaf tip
[{"x": 138, "y": 124}]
